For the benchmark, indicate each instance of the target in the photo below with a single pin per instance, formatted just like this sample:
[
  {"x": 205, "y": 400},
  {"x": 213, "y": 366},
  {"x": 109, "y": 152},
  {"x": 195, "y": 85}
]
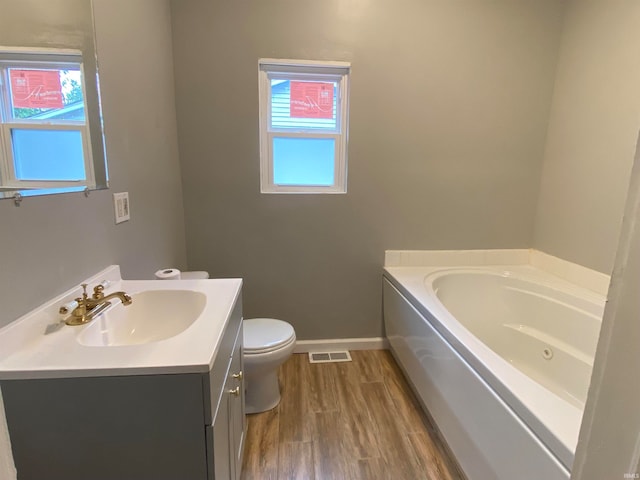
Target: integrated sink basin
[
  {"x": 170, "y": 327},
  {"x": 153, "y": 315}
]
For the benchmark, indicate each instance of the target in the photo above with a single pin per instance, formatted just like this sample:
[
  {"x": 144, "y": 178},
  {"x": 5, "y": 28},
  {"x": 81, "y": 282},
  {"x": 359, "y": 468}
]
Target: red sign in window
[
  {"x": 36, "y": 88},
  {"x": 311, "y": 100}
]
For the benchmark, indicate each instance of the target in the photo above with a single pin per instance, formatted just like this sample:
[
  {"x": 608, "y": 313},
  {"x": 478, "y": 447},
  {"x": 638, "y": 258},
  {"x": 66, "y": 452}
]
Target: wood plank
[
  {"x": 331, "y": 454},
  {"x": 296, "y": 461},
  {"x": 295, "y": 419},
  {"x": 407, "y": 406},
  {"x": 320, "y": 386},
  {"x": 367, "y": 364},
  {"x": 394, "y": 444},
  {"x": 262, "y": 447},
  {"x": 374, "y": 469},
  {"x": 363, "y": 441},
  {"x": 415, "y": 418},
  {"x": 431, "y": 458}
]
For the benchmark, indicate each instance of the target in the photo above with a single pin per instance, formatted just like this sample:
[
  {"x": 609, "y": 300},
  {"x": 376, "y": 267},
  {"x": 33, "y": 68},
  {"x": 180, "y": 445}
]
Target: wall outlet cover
[{"x": 121, "y": 206}]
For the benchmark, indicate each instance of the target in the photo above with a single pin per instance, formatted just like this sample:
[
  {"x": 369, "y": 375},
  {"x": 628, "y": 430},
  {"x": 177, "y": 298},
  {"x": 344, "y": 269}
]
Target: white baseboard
[{"x": 335, "y": 344}]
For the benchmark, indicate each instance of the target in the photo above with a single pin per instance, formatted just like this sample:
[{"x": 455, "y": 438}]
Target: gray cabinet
[{"x": 183, "y": 426}]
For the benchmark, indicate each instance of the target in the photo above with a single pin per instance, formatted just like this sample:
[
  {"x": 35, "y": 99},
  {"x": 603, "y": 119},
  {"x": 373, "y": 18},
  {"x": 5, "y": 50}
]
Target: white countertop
[{"x": 38, "y": 345}]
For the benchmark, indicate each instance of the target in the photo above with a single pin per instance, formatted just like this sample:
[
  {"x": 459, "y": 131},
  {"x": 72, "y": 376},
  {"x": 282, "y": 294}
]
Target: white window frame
[
  {"x": 269, "y": 69},
  {"x": 29, "y": 58}
]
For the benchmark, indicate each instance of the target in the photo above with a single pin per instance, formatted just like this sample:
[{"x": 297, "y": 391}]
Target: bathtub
[{"x": 501, "y": 357}]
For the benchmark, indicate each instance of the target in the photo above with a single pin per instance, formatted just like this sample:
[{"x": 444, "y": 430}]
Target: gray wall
[
  {"x": 51, "y": 243},
  {"x": 449, "y": 109},
  {"x": 593, "y": 128}
]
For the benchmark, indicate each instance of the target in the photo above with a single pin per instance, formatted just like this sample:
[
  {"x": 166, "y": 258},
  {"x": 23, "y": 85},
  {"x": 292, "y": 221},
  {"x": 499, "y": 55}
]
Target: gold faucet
[{"x": 90, "y": 308}]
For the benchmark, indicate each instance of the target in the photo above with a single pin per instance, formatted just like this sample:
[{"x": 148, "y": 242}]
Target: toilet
[{"x": 268, "y": 343}]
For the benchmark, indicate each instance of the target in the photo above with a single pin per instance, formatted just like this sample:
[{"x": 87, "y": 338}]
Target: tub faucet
[{"x": 90, "y": 308}]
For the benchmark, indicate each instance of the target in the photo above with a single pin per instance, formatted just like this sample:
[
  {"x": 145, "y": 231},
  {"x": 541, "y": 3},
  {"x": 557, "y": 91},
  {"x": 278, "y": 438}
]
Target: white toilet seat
[
  {"x": 275, "y": 348},
  {"x": 266, "y": 335}
]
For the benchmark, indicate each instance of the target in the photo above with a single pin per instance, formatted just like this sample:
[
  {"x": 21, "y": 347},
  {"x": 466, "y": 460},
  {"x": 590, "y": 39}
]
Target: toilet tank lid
[
  {"x": 195, "y": 275},
  {"x": 261, "y": 333}
]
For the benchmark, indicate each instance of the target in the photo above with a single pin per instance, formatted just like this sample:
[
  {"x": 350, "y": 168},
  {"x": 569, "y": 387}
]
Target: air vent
[{"x": 327, "y": 357}]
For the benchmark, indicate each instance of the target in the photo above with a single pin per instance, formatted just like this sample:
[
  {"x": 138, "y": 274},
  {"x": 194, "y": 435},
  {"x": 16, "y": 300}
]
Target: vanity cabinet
[{"x": 165, "y": 426}]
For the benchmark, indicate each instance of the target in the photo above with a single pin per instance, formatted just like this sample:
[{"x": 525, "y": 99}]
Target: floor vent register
[{"x": 328, "y": 357}]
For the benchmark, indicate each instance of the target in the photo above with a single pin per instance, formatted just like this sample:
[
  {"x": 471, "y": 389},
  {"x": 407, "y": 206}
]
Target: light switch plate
[{"x": 121, "y": 206}]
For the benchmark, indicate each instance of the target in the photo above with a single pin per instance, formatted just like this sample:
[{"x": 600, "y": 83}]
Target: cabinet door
[
  {"x": 237, "y": 427},
  {"x": 220, "y": 444},
  {"x": 142, "y": 427}
]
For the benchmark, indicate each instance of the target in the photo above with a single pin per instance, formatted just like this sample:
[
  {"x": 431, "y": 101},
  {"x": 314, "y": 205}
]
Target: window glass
[
  {"x": 303, "y": 161},
  {"x": 303, "y": 105},
  {"x": 48, "y": 154},
  {"x": 46, "y": 94}
]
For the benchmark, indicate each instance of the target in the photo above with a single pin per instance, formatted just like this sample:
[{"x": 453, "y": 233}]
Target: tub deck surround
[
  {"x": 553, "y": 412},
  {"x": 38, "y": 345},
  {"x": 577, "y": 274}
]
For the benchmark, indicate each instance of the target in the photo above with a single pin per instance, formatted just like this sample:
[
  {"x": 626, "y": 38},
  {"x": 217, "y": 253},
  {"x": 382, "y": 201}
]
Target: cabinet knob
[
  {"x": 235, "y": 391},
  {"x": 237, "y": 376}
]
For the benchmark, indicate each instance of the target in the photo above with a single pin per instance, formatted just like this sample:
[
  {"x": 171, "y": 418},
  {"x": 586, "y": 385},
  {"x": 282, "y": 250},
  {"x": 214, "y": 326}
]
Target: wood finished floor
[{"x": 350, "y": 420}]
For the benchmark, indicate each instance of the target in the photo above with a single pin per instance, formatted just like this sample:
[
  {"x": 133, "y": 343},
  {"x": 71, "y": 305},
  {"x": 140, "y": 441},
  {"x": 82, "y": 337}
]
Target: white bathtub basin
[
  {"x": 547, "y": 333},
  {"x": 153, "y": 315}
]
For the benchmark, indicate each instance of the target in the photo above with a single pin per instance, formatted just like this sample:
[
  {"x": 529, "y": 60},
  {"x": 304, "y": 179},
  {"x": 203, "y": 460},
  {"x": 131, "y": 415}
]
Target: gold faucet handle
[
  {"x": 81, "y": 308},
  {"x": 98, "y": 292}
]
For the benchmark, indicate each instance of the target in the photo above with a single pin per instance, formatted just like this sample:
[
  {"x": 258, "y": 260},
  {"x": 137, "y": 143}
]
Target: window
[
  {"x": 303, "y": 126},
  {"x": 44, "y": 133}
]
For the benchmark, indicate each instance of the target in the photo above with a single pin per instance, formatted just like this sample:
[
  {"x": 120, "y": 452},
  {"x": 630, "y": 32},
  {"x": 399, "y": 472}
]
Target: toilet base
[{"x": 262, "y": 393}]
